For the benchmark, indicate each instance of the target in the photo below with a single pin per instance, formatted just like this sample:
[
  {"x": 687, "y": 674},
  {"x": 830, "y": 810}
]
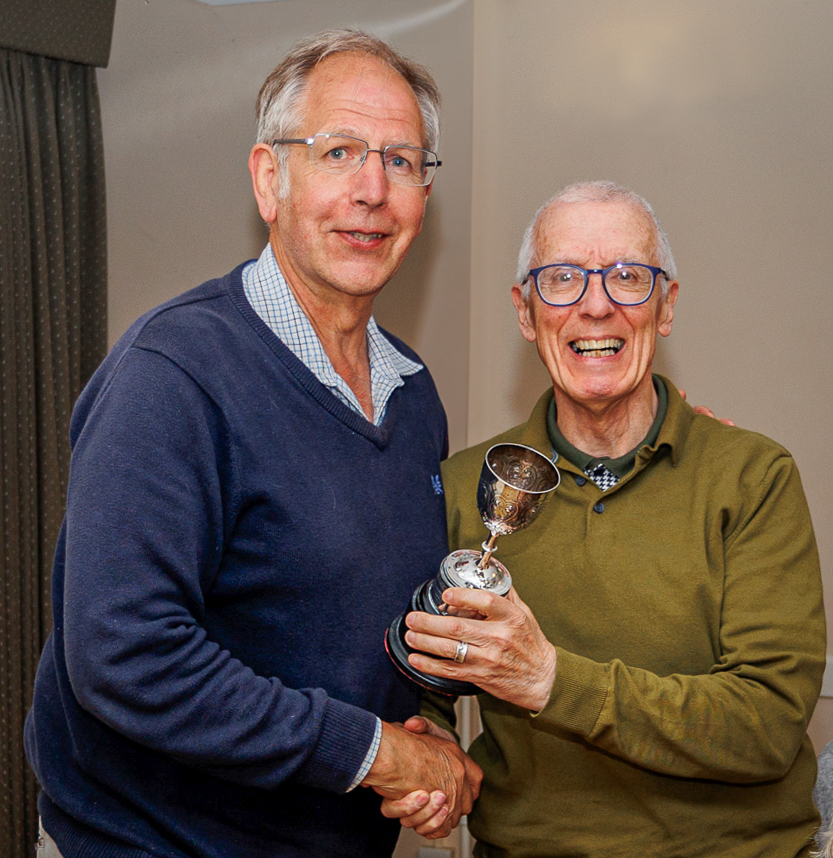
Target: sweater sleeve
[
  {"x": 151, "y": 510},
  {"x": 439, "y": 708},
  {"x": 745, "y": 719}
]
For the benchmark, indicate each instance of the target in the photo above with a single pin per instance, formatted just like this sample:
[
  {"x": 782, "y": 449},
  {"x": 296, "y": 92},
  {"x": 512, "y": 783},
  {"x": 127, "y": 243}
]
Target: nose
[
  {"x": 595, "y": 301},
  {"x": 370, "y": 183}
]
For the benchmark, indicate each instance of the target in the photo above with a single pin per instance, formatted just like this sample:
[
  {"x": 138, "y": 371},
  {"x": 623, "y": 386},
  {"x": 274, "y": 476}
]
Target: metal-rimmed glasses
[
  {"x": 343, "y": 156},
  {"x": 626, "y": 283}
]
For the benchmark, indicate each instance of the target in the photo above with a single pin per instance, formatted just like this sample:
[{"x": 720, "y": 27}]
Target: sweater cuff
[
  {"x": 369, "y": 759},
  {"x": 345, "y": 737},
  {"x": 578, "y": 693}
]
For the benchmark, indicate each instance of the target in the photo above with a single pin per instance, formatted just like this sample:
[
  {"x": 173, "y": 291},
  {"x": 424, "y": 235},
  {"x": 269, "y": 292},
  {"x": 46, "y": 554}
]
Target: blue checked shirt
[{"x": 272, "y": 299}]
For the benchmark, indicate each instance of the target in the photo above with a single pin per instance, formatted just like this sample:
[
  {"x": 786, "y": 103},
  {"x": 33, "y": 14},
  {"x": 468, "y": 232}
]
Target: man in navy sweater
[{"x": 216, "y": 682}]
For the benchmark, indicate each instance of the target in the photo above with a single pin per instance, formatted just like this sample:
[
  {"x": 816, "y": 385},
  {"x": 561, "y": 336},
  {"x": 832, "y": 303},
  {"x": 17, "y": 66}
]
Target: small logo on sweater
[{"x": 437, "y": 484}]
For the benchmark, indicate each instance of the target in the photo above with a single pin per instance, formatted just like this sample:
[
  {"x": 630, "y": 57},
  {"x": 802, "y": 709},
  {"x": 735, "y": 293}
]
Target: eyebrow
[
  {"x": 619, "y": 261},
  {"x": 343, "y": 132}
]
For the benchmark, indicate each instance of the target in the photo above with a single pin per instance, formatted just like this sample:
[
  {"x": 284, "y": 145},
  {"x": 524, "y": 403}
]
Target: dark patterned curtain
[{"x": 52, "y": 335}]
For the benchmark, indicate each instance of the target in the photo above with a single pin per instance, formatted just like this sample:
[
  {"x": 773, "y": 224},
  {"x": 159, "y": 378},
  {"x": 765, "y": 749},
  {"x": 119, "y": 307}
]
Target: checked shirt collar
[
  {"x": 604, "y": 471},
  {"x": 272, "y": 299}
]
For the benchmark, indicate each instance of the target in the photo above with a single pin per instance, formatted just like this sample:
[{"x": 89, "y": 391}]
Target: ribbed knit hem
[
  {"x": 76, "y": 840},
  {"x": 346, "y": 735},
  {"x": 578, "y": 693}
]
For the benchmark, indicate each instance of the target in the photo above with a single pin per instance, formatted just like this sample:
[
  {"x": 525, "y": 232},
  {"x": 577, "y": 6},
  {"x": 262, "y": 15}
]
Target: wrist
[
  {"x": 543, "y": 690},
  {"x": 369, "y": 757},
  {"x": 383, "y": 763}
]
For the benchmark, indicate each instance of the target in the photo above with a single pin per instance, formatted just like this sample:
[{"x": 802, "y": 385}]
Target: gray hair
[
  {"x": 280, "y": 100},
  {"x": 594, "y": 192}
]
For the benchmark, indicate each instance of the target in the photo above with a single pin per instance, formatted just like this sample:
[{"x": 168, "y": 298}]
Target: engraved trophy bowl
[{"x": 515, "y": 482}]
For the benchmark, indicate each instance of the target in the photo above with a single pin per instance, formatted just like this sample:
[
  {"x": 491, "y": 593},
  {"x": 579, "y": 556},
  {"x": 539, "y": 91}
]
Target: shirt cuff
[{"x": 370, "y": 757}]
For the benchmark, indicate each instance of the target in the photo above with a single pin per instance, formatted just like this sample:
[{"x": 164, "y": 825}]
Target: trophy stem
[
  {"x": 489, "y": 549},
  {"x": 514, "y": 483}
]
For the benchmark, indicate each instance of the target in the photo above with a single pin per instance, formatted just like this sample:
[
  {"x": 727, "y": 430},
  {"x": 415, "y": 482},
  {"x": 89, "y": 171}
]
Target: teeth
[
  {"x": 597, "y": 348},
  {"x": 363, "y": 236}
]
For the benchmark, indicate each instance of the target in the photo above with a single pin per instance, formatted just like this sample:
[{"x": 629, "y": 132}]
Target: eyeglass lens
[
  {"x": 626, "y": 284},
  {"x": 404, "y": 165}
]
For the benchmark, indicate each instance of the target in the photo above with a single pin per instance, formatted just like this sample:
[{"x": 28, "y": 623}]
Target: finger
[
  {"x": 482, "y": 601},
  {"x": 475, "y": 778},
  {"x": 465, "y": 800},
  {"x": 682, "y": 393},
  {"x": 466, "y": 613},
  {"x": 410, "y": 805},
  {"x": 444, "y": 668},
  {"x": 441, "y": 647},
  {"x": 451, "y": 627},
  {"x": 440, "y": 627},
  {"x": 431, "y": 817},
  {"x": 417, "y": 724},
  {"x": 440, "y": 825},
  {"x": 702, "y": 409}
]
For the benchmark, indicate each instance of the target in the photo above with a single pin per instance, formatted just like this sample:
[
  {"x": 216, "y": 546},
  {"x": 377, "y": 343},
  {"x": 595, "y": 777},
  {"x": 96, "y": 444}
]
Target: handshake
[{"x": 426, "y": 779}]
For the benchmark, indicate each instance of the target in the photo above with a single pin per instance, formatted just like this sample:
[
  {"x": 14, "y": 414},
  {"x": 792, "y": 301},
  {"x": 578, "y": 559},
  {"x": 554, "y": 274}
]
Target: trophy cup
[{"x": 514, "y": 483}]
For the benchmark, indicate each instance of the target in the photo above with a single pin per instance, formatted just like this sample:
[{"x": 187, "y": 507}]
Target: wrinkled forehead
[
  {"x": 595, "y": 233},
  {"x": 354, "y": 87}
]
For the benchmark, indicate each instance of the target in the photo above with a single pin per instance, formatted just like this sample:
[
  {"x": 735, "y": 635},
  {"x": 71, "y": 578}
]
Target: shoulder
[
  {"x": 184, "y": 333},
  {"x": 707, "y": 445},
  {"x": 740, "y": 450},
  {"x": 737, "y": 474},
  {"x": 193, "y": 316}
]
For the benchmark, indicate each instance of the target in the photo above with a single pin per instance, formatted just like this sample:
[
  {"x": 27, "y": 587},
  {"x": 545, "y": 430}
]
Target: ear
[
  {"x": 264, "y": 170},
  {"x": 666, "y": 309},
  {"x": 526, "y": 319}
]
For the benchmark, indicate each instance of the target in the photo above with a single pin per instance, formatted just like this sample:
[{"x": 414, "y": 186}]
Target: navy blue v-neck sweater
[{"x": 236, "y": 542}]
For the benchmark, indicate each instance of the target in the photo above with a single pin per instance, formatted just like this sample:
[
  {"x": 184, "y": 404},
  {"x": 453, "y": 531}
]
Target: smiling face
[
  {"x": 340, "y": 236},
  {"x": 598, "y": 353}
]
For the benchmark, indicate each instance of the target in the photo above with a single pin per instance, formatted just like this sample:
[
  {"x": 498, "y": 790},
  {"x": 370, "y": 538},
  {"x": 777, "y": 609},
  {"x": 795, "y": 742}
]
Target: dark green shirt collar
[{"x": 624, "y": 464}]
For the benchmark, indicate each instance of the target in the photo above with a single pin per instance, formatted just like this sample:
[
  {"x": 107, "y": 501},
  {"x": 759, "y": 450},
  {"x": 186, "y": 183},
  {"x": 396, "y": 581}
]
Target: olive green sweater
[{"x": 685, "y": 605}]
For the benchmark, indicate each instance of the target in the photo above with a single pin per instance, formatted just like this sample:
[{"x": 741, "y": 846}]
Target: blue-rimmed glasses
[
  {"x": 344, "y": 156},
  {"x": 626, "y": 283}
]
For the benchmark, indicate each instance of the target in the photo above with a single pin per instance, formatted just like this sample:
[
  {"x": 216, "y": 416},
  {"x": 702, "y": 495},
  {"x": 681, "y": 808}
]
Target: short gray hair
[
  {"x": 280, "y": 99},
  {"x": 594, "y": 192}
]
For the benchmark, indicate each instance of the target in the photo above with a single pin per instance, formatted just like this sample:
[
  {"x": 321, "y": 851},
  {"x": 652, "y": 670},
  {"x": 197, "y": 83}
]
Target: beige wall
[{"x": 717, "y": 111}]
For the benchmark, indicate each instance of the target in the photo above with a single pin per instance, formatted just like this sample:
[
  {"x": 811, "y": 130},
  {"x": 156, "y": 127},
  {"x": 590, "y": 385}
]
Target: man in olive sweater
[{"x": 650, "y": 678}]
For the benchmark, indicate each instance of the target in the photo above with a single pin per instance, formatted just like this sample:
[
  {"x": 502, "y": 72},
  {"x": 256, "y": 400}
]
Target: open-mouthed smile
[{"x": 597, "y": 348}]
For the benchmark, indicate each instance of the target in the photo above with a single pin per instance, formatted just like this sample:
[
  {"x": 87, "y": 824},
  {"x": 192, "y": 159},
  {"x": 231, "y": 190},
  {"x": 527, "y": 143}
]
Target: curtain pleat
[{"x": 53, "y": 270}]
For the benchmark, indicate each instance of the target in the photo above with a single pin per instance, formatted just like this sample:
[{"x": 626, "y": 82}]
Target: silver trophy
[{"x": 515, "y": 481}]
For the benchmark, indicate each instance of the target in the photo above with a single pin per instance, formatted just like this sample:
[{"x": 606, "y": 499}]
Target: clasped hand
[
  {"x": 424, "y": 776},
  {"x": 507, "y": 656}
]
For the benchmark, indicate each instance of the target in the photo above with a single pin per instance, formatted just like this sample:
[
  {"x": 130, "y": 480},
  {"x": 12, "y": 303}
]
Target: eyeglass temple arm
[{"x": 308, "y": 141}]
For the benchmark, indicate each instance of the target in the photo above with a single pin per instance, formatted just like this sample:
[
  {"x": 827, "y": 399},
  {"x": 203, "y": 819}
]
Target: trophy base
[
  {"x": 458, "y": 569},
  {"x": 399, "y": 651}
]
